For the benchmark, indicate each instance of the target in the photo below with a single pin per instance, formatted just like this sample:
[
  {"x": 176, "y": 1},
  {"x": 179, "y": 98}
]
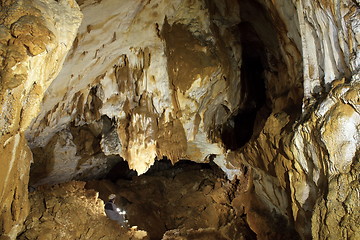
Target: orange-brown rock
[
  {"x": 35, "y": 37},
  {"x": 266, "y": 89},
  {"x": 68, "y": 211}
]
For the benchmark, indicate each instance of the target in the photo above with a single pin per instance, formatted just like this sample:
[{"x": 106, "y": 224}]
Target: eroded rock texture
[
  {"x": 159, "y": 72},
  {"x": 268, "y": 90},
  {"x": 34, "y": 39},
  {"x": 311, "y": 164}
]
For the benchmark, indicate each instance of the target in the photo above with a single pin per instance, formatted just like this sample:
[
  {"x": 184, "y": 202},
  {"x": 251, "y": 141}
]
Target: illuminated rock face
[
  {"x": 35, "y": 37},
  {"x": 266, "y": 86},
  {"x": 161, "y": 73}
]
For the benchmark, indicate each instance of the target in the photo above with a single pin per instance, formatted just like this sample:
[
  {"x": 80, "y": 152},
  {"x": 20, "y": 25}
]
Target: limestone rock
[
  {"x": 60, "y": 161},
  {"x": 314, "y": 162},
  {"x": 14, "y": 177},
  {"x": 126, "y": 68},
  {"x": 35, "y": 37},
  {"x": 301, "y": 161},
  {"x": 330, "y": 30},
  {"x": 268, "y": 90},
  {"x": 330, "y": 164}
]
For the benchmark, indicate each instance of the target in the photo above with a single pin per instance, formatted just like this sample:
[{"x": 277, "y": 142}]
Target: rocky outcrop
[
  {"x": 302, "y": 166},
  {"x": 35, "y": 37},
  {"x": 332, "y": 182}
]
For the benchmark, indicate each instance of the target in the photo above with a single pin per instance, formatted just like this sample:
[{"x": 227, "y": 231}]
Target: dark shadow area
[
  {"x": 240, "y": 128},
  {"x": 165, "y": 166},
  {"x": 161, "y": 167},
  {"x": 121, "y": 171},
  {"x": 192, "y": 197}
]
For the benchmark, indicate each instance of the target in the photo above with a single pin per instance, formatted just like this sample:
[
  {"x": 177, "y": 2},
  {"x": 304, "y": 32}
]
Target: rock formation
[
  {"x": 265, "y": 89},
  {"x": 35, "y": 37}
]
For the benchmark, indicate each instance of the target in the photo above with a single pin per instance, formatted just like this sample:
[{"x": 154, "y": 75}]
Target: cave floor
[{"x": 187, "y": 201}]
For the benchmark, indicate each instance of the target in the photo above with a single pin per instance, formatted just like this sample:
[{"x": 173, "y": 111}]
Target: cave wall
[
  {"x": 147, "y": 79},
  {"x": 160, "y": 72},
  {"x": 35, "y": 37},
  {"x": 312, "y": 159}
]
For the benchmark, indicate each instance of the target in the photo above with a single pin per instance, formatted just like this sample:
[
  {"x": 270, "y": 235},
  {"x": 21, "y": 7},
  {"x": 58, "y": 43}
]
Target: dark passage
[{"x": 239, "y": 128}]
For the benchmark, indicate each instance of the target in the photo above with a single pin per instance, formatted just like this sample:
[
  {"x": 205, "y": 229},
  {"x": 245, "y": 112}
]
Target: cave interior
[{"x": 208, "y": 198}]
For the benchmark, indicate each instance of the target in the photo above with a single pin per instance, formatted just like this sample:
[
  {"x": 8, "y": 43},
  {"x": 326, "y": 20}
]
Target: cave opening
[{"x": 254, "y": 108}]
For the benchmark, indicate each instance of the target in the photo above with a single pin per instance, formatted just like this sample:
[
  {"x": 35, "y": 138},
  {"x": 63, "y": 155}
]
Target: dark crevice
[
  {"x": 121, "y": 171},
  {"x": 160, "y": 167},
  {"x": 239, "y": 129}
]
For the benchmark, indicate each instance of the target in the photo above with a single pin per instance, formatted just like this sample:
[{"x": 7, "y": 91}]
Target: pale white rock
[
  {"x": 61, "y": 20},
  {"x": 110, "y": 143},
  {"x": 129, "y": 41},
  {"x": 229, "y": 169},
  {"x": 270, "y": 191},
  {"x": 328, "y": 43}
]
